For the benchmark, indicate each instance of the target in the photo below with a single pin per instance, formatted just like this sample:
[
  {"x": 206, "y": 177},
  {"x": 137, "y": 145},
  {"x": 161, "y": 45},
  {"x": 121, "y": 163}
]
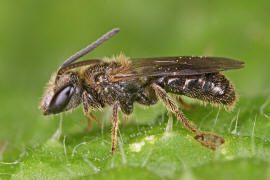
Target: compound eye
[{"x": 60, "y": 100}]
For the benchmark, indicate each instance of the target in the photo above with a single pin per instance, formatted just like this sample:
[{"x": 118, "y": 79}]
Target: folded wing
[{"x": 178, "y": 65}]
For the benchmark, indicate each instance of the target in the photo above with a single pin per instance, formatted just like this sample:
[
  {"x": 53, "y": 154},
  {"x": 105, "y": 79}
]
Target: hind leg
[{"x": 209, "y": 140}]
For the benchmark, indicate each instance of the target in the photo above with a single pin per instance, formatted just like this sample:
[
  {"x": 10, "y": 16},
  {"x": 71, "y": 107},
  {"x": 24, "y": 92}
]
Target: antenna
[{"x": 90, "y": 47}]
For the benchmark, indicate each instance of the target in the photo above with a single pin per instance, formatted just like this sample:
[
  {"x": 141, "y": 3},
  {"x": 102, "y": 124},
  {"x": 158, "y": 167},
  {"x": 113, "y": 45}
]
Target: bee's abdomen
[{"x": 213, "y": 87}]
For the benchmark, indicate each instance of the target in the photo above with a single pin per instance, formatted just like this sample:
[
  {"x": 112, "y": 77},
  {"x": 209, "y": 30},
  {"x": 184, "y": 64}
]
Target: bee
[{"x": 121, "y": 81}]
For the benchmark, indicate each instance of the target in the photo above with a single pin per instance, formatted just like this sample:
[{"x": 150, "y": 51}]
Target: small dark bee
[{"x": 120, "y": 81}]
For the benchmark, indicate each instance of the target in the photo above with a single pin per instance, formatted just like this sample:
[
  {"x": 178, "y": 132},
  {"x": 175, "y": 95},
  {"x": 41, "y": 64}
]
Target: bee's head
[
  {"x": 63, "y": 93},
  {"x": 65, "y": 88}
]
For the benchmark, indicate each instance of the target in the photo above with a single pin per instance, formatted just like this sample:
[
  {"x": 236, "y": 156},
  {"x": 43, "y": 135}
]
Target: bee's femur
[
  {"x": 78, "y": 64},
  {"x": 89, "y": 48}
]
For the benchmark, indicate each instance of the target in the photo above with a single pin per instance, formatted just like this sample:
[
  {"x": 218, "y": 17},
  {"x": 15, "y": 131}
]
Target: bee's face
[{"x": 62, "y": 94}]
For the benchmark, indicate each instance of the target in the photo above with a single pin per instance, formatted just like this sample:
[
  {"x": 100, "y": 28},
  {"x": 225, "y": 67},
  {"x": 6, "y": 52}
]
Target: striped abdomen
[{"x": 213, "y": 87}]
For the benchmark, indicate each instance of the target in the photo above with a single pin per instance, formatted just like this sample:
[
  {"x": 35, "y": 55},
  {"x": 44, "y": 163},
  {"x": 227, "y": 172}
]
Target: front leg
[
  {"x": 87, "y": 112},
  {"x": 115, "y": 122},
  {"x": 90, "y": 116},
  {"x": 209, "y": 140}
]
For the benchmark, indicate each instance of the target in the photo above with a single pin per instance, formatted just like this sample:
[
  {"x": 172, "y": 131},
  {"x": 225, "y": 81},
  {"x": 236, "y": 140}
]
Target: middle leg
[{"x": 115, "y": 122}]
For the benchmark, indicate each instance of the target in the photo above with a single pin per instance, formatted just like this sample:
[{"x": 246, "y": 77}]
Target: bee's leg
[
  {"x": 115, "y": 122},
  {"x": 87, "y": 112},
  {"x": 183, "y": 104},
  {"x": 126, "y": 118},
  {"x": 209, "y": 140},
  {"x": 126, "y": 107},
  {"x": 96, "y": 119},
  {"x": 89, "y": 120},
  {"x": 89, "y": 116},
  {"x": 171, "y": 106}
]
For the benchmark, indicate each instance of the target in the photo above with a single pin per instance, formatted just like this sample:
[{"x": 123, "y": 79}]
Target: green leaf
[{"x": 149, "y": 149}]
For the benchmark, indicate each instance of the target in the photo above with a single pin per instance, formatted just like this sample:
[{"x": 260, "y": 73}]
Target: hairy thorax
[{"x": 97, "y": 79}]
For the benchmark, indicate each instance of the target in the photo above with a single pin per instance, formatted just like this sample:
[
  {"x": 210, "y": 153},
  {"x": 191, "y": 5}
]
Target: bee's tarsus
[{"x": 209, "y": 140}]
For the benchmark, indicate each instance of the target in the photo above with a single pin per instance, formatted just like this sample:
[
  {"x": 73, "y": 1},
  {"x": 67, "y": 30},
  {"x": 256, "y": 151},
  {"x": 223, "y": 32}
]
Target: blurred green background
[{"x": 36, "y": 37}]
